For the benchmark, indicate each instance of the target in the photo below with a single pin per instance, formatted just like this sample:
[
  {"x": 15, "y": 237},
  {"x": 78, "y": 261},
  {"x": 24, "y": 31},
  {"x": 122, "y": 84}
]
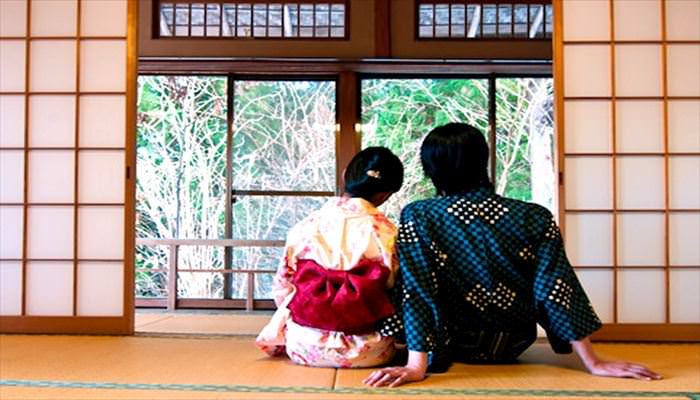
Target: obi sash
[{"x": 349, "y": 301}]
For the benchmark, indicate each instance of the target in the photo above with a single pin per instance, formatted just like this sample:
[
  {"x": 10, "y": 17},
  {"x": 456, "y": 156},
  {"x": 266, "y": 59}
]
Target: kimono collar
[
  {"x": 478, "y": 193},
  {"x": 354, "y": 205}
]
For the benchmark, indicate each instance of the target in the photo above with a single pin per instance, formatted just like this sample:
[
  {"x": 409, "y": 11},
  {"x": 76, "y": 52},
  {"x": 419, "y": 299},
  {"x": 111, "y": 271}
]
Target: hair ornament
[{"x": 374, "y": 174}]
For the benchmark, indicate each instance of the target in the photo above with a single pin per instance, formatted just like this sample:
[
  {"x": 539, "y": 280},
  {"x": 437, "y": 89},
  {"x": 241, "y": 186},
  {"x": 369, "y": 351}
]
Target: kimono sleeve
[
  {"x": 564, "y": 310},
  {"x": 415, "y": 291}
]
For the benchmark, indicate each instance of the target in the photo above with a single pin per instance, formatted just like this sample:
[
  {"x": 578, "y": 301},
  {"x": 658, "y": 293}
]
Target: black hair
[
  {"x": 455, "y": 157},
  {"x": 373, "y": 170}
]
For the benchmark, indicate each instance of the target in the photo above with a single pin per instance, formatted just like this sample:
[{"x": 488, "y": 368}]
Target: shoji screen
[
  {"x": 628, "y": 97},
  {"x": 67, "y": 81}
]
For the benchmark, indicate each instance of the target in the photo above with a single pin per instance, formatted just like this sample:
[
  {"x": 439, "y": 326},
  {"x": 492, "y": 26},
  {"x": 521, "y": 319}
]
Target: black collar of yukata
[{"x": 481, "y": 191}]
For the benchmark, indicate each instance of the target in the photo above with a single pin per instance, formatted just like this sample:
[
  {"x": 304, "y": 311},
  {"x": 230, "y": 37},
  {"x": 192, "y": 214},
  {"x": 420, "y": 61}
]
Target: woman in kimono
[
  {"x": 339, "y": 262},
  {"x": 479, "y": 272}
]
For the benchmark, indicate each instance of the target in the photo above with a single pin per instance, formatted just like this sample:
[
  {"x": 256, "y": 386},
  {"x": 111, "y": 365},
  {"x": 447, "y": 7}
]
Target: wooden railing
[{"x": 172, "y": 302}]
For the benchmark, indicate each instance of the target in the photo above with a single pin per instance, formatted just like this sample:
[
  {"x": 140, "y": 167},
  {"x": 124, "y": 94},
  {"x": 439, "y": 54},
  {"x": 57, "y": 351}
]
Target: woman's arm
[
  {"x": 616, "y": 369},
  {"x": 413, "y": 371}
]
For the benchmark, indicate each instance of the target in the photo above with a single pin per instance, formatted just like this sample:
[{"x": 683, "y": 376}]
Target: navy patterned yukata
[{"x": 477, "y": 272}]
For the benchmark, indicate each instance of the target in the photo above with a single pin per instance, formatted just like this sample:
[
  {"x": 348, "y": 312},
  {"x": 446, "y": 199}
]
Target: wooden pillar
[{"x": 348, "y": 139}]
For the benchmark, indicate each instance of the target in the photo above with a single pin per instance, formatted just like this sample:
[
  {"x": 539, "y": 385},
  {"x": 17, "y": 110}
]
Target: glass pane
[
  {"x": 270, "y": 217},
  {"x": 197, "y": 14},
  {"x": 167, "y": 19},
  {"x": 267, "y": 258},
  {"x": 322, "y": 15},
  {"x": 284, "y": 135},
  {"x": 213, "y": 14},
  {"x": 398, "y": 113},
  {"x": 229, "y": 22},
  {"x": 150, "y": 283},
  {"x": 181, "y": 157},
  {"x": 505, "y": 18},
  {"x": 200, "y": 285},
  {"x": 489, "y": 20},
  {"x": 200, "y": 257},
  {"x": 525, "y": 140},
  {"x": 442, "y": 14},
  {"x": 258, "y": 258}
]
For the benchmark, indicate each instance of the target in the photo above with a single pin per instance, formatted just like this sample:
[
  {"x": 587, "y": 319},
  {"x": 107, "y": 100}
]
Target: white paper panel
[
  {"x": 640, "y": 239},
  {"x": 587, "y": 70},
  {"x": 587, "y": 126},
  {"x": 13, "y": 17},
  {"x": 103, "y": 65},
  {"x": 637, "y": 70},
  {"x": 589, "y": 239},
  {"x": 640, "y": 126},
  {"x": 640, "y": 182},
  {"x": 11, "y": 121},
  {"x": 684, "y": 182},
  {"x": 598, "y": 285},
  {"x": 50, "y": 232},
  {"x": 51, "y": 176},
  {"x": 102, "y": 121},
  {"x": 103, "y": 18},
  {"x": 684, "y": 238},
  {"x": 49, "y": 288},
  {"x": 11, "y": 176},
  {"x": 641, "y": 296},
  {"x": 588, "y": 183},
  {"x": 101, "y": 233},
  {"x": 684, "y": 126},
  {"x": 100, "y": 289},
  {"x": 10, "y": 232},
  {"x": 52, "y": 66},
  {"x": 10, "y": 288},
  {"x": 586, "y": 20},
  {"x": 685, "y": 296},
  {"x": 682, "y": 20},
  {"x": 54, "y": 17},
  {"x": 684, "y": 70},
  {"x": 12, "y": 60},
  {"x": 52, "y": 121},
  {"x": 637, "y": 20},
  {"x": 101, "y": 176}
]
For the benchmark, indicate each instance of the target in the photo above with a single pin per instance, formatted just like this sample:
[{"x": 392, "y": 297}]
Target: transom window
[
  {"x": 466, "y": 19},
  {"x": 240, "y": 19}
]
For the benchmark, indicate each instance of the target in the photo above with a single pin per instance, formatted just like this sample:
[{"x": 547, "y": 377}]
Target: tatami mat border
[{"x": 364, "y": 391}]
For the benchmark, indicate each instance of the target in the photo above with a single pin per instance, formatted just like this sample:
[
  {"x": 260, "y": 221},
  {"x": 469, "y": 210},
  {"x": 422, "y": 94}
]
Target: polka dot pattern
[{"x": 481, "y": 262}]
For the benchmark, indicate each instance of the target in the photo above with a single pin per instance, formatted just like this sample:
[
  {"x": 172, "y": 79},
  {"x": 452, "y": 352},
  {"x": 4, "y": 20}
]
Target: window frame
[
  {"x": 156, "y": 20},
  {"x": 348, "y": 80},
  {"x": 546, "y": 36}
]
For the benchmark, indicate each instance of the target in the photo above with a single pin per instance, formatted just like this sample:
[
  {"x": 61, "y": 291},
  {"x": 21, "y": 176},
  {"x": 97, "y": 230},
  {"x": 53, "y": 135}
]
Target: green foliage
[{"x": 284, "y": 139}]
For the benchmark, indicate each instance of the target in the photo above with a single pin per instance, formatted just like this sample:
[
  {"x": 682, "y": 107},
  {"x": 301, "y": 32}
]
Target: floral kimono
[{"x": 331, "y": 288}]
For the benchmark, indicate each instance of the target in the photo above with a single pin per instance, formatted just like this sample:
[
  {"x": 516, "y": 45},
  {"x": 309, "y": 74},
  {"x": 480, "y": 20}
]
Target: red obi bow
[{"x": 346, "y": 301}]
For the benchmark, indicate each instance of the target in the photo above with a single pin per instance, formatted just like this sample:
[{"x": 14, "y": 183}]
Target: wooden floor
[{"x": 216, "y": 367}]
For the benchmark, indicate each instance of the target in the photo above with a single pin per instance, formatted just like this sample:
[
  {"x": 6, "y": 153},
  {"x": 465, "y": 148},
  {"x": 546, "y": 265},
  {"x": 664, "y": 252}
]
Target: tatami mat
[
  {"x": 213, "y": 324},
  {"x": 91, "y": 367}
]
